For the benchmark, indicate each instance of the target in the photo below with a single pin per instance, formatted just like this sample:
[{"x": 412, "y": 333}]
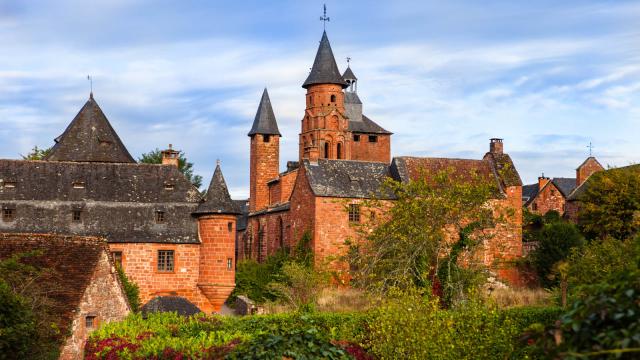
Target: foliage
[
  {"x": 413, "y": 327},
  {"x": 407, "y": 245},
  {"x": 130, "y": 289},
  {"x": 299, "y": 285},
  {"x": 555, "y": 242},
  {"x": 610, "y": 205},
  {"x": 23, "y": 298},
  {"x": 603, "y": 324},
  {"x": 185, "y": 167},
  {"x": 36, "y": 154}
]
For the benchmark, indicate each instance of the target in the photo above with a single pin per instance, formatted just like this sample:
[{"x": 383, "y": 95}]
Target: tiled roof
[
  {"x": 505, "y": 169},
  {"x": 217, "y": 199},
  {"x": 347, "y": 178},
  {"x": 324, "y": 70},
  {"x": 265, "y": 120},
  {"x": 90, "y": 138}
]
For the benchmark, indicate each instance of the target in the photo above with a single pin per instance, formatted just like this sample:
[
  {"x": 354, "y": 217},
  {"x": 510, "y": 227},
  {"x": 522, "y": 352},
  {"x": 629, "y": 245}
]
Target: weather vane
[
  {"x": 90, "y": 83},
  {"x": 325, "y": 18},
  {"x": 348, "y": 61},
  {"x": 590, "y": 147}
]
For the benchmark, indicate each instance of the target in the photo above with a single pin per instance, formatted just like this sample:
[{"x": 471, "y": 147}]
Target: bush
[
  {"x": 299, "y": 286},
  {"x": 130, "y": 289},
  {"x": 17, "y": 325},
  {"x": 555, "y": 243}
]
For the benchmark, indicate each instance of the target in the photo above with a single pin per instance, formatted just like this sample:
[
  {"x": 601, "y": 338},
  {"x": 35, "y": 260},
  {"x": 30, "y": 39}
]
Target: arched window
[
  {"x": 326, "y": 150},
  {"x": 339, "y": 151},
  {"x": 333, "y": 98}
]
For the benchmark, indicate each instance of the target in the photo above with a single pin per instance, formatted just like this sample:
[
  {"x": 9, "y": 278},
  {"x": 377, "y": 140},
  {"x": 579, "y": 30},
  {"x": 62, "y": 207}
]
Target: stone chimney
[
  {"x": 496, "y": 146},
  {"x": 542, "y": 181},
  {"x": 170, "y": 156}
]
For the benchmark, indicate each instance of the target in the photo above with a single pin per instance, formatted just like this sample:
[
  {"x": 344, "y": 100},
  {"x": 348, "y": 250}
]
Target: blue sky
[{"x": 547, "y": 76}]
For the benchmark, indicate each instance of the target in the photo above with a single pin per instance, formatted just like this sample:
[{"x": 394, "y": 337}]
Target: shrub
[
  {"x": 253, "y": 278},
  {"x": 555, "y": 243},
  {"x": 130, "y": 289},
  {"x": 17, "y": 324},
  {"x": 299, "y": 286}
]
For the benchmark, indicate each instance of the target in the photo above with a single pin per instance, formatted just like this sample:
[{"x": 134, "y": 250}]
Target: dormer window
[
  {"x": 169, "y": 186},
  {"x": 78, "y": 185},
  {"x": 160, "y": 218}
]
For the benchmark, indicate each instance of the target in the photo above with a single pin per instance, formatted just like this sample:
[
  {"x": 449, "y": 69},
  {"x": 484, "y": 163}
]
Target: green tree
[
  {"x": 555, "y": 242},
  {"x": 406, "y": 246},
  {"x": 36, "y": 154},
  {"x": 186, "y": 167},
  {"x": 17, "y": 324},
  {"x": 611, "y": 204}
]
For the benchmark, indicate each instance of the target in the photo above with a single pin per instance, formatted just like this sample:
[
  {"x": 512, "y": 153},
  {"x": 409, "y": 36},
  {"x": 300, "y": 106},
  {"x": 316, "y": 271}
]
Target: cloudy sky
[{"x": 547, "y": 76}]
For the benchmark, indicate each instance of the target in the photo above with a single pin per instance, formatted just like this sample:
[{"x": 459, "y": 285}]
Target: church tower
[
  {"x": 265, "y": 154},
  {"x": 325, "y": 129}
]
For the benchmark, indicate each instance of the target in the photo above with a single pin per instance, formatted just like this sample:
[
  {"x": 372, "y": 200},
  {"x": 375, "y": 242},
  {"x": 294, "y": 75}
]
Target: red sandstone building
[{"x": 344, "y": 157}]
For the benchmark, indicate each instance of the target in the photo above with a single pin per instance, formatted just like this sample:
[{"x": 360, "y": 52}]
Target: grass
[{"x": 512, "y": 297}]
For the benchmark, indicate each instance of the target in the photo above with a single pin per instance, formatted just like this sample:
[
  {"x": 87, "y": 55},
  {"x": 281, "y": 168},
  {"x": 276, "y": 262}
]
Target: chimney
[
  {"x": 170, "y": 156},
  {"x": 542, "y": 181},
  {"x": 496, "y": 146}
]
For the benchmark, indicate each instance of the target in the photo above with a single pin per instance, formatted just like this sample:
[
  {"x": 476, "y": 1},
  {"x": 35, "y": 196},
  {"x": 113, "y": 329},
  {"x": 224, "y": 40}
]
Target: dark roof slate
[
  {"x": 69, "y": 263},
  {"x": 529, "y": 192},
  {"x": 367, "y": 126},
  {"x": 347, "y": 178},
  {"x": 349, "y": 75},
  {"x": 176, "y": 304},
  {"x": 324, "y": 70},
  {"x": 217, "y": 200},
  {"x": 565, "y": 185},
  {"x": 90, "y": 138},
  {"x": 243, "y": 205},
  {"x": 265, "y": 120}
]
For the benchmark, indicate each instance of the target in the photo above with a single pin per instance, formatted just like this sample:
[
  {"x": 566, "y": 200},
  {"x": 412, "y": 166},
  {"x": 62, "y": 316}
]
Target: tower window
[
  {"x": 229, "y": 263},
  {"x": 165, "y": 260},
  {"x": 76, "y": 215},
  {"x": 230, "y": 226},
  {"x": 326, "y": 150},
  {"x": 160, "y": 218},
  {"x": 356, "y": 137},
  {"x": 354, "y": 212},
  {"x": 339, "y": 151},
  {"x": 8, "y": 214},
  {"x": 266, "y": 138},
  {"x": 333, "y": 98},
  {"x": 373, "y": 138}
]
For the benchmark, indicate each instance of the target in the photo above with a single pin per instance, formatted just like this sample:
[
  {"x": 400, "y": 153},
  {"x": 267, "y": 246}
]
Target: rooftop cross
[
  {"x": 324, "y": 18},
  {"x": 348, "y": 61},
  {"x": 90, "y": 85},
  {"x": 590, "y": 147}
]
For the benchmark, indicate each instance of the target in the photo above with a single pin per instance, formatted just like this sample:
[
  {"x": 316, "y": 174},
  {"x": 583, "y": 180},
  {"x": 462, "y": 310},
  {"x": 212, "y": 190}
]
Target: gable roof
[
  {"x": 504, "y": 169},
  {"x": 529, "y": 192},
  {"x": 68, "y": 264},
  {"x": 590, "y": 158},
  {"x": 90, "y": 138},
  {"x": 217, "y": 200},
  {"x": 265, "y": 120},
  {"x": 565, "y": 185},
  {"x": 324, "y": 70},
  {"x": 367, "y": 126},
  {"x": 347, "y": 178},
  {"x": 349, "y": 75},
  {"x": 407, "y": 168}
]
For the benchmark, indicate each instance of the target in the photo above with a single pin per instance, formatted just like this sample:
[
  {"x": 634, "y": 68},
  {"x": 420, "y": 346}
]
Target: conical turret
[
  {"x": 324, "y": 70},
  {"x": 265, "y": 120},
  {"x": 217, "y": 200}
]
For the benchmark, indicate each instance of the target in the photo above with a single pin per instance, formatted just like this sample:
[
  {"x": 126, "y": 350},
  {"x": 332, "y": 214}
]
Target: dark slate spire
[
  {"x": 217, "y": 200},
  {"x": 348, "y": 74},
  {"x": 90, "y": 138},
  {"x": 324, "y": 70},
  {"x": 265, "y": 121}
]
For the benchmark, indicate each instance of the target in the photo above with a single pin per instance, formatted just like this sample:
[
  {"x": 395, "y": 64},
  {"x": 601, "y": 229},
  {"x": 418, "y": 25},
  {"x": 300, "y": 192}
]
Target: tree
[
  {"x": 610, "y": 205},
  {"x": 185, "y": 167},
  {"x": 36, "y": 154},
  {"x": 555, "y": 242},
  {"x": 411, "y": 244}
]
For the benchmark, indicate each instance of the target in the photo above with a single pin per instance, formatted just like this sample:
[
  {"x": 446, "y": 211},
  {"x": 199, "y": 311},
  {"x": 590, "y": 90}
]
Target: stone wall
[
  {"x": 549, "y": 198},
  {"x": 264, "y": 166},
  {"x": 372, "y": 151}
]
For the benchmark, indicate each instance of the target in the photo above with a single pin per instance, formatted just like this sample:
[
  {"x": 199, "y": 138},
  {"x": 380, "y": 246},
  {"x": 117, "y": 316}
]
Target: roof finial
[
  {"x": 348, "y": 61},
  {"x": 217, "y": 162},
  {"x": 324, "y": 18},
  {"x": 590, "y": 147},
  {"x": 90, "y": 86}
]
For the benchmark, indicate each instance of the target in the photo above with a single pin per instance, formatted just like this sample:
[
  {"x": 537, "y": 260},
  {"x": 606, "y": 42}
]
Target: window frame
[
  {"x": 354, "y": 213},
  {"x": 162, "y": 266},
  {"x": 8, "y": 214},
  {"x": 356, "y": 137},
  {"x": 76, "y": 215},
  {"x": 160, "y": 217},
  {"x": 373, "y": 138}
]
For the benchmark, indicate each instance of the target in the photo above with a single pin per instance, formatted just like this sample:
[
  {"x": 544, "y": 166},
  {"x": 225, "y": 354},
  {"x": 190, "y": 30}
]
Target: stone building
[
  {"x": 344, "y": 157},
  {"x": 552, "y": 194},
  {"x": 169, "y": 239},
  {"x": 80, "y": 279}
]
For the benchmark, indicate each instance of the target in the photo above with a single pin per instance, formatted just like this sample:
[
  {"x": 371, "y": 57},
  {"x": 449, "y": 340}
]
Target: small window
[
  {"x": 229, "y": 263},
  {"x": 78, "y": 185},
  {"x": 77, "y": 215},
  {"x": 168, "y": 186},
  {"x": 356, "y": 137},
  {"x": 90, "y": 322},
  {"x": 553, "y": 192},
  {"x": 372, "y": 216},
  {"x": 230, "y": 226},
  {"x": 354, "y": 212},
  {"x": 8, "y": 214},
  {"x": 165, "y": 260},
  {"x": 373, "y": 138},
  {"x": 266, "y": 138},
  {"x": 534, "y": 206},
  {"x": 333, "y": 98},
  {"x": 160, "y": 218},
  {"x": 10, "y": 184},
  {"x": 117, "y": 257}
]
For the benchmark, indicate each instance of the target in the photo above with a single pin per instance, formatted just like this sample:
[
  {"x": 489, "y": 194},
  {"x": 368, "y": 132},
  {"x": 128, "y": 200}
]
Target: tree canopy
[
  {"x": 36, "y": 154},
  {"x": 186, "y": 167}
]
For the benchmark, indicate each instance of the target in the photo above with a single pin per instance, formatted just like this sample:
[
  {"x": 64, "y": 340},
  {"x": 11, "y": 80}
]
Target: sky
[{"x": 444, "y": 76}]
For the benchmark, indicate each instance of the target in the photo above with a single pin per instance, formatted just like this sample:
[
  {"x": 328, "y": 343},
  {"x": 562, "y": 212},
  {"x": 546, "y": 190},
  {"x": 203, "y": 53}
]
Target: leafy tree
[
  {"x": 130, "y": 289},
  {"x": 406, "y": 246},
  {"x": 17, "y": 324},
  {"x": 611, "y": 204},
  {"x": 186, "y": 167},
  {"x": 555, "y": 242},
  {"x": 36, "y": 154}
]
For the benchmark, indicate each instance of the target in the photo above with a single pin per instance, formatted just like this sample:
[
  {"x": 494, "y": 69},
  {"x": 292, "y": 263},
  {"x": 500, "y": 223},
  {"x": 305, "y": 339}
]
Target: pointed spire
[
  {"x": 324, "y": 70},
  {"x": 217, "y": 199},
  {"x": 348, "y": 75},
  {"x": 90, "y": 138},
  {"x": 265, "y": 121}
]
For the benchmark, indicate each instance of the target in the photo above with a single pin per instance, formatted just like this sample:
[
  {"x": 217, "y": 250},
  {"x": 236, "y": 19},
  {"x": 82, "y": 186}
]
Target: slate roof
[
  {"x": 367, "y": 126},
  {"x": 347, "y": 178},
  {"x": 70, "y": 261},
  {"x": 565, "y": 185},
  {"x": 243, "y": 205},
  {"x": 349, "y": 75},
  {"x": 176, "y": 304},
  {"x": 324, "y": 70},
  {"x": 90, "y": 138},
  {"x": 217, "y": 200},
  {"x": 265, "y": 120},
  {"x": 529, "y": 192}
]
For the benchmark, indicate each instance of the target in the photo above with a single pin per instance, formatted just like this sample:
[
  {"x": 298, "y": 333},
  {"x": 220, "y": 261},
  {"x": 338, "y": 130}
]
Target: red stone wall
[
  {"x": 104, "y": 299},
  {"x": 372, "y": 151},
  {"x": 216, "y": 276},
  {"x": 302, "y": 213},
  {"x": 264, "y": 166},
  {"x": 549, "y": 198},
  {"x": 275, "y": 192},
  {"x": 287, "y": 181},
  {"x": 589, "y": 167}
]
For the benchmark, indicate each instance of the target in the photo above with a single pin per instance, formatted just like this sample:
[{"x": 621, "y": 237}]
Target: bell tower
[{"x": 325, "y": 128}]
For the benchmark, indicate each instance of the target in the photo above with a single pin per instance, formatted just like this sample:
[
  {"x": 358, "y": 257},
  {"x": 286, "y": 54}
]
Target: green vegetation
[
  {"x": 555, "y": 242},
  {"x": 185, "y": 167},
  {"x": 36, "y": 154},
  {"x": 130, "y": 289}
]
